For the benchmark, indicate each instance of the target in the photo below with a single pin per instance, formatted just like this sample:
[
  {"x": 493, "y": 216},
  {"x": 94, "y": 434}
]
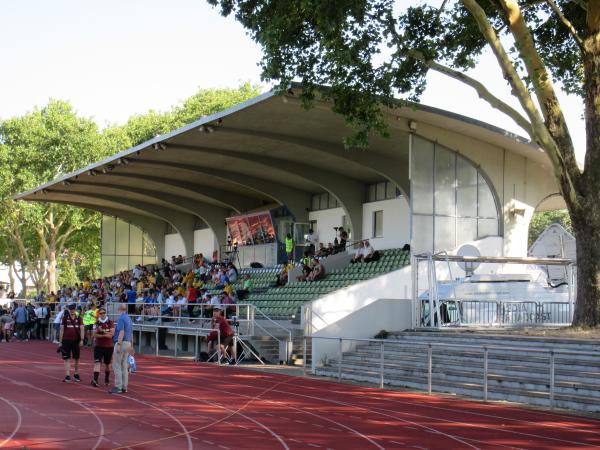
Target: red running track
[{"x": 184, "y": 405}]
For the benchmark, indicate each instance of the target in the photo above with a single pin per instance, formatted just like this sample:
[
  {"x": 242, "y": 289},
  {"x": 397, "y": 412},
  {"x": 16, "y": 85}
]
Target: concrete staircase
[
  {"x": 519, "y": 374},
  {"x": 268, "y": 348}
]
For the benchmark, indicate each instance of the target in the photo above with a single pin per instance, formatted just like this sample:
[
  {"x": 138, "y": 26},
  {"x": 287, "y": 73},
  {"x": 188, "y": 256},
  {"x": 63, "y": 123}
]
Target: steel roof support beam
[
  {"x": 349, "y": 192},
  {"x": 395, "y": 170},
  {"x": 155, "y": 228},
  {"x": 297, "y": 201},
  {"x": 182, "y": 222},
  {"x": 212, "y": 215}
]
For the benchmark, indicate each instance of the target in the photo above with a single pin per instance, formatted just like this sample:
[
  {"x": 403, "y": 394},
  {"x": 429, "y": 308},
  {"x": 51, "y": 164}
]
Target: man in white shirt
[
  {"x": 359, "y": 255},
  {"x": 311, "y": 242}
]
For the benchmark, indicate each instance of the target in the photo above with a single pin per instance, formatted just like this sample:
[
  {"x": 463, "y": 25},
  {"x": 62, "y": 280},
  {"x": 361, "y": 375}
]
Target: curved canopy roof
[{"x": 268, "y": 150}]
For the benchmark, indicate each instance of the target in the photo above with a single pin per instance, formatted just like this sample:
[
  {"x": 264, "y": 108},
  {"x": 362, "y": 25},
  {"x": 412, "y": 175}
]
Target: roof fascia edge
[{"x": 124, "y": 153}]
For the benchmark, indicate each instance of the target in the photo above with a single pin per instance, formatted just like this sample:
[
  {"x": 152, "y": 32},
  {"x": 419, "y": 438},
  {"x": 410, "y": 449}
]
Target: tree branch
[
  {"x": 581, "y": 3},
  {"x": 568, "y": 25},
  {"x": 481, "y": 90},
  {"x": 541, "y": 133}
]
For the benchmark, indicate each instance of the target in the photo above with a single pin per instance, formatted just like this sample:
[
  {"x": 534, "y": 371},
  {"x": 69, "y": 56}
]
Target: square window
[{"x": 377, "y": 224}]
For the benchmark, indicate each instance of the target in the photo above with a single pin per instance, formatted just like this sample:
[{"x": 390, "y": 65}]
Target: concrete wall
[
  {"x": 396, "y": 223},
  {"x": 335, "y": 306},
  {"x": 174, "y": 246},
  {"x": 391, "y": 315},
  {"x": 326, "y": 220},
  {"x": 205, "y": 242}
]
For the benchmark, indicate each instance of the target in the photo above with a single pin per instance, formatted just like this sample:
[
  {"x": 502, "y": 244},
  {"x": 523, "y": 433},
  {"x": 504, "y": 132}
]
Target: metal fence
[
  {"x": 447, "y": 293},
  {"x": 501, "y": 313},
  {"x": 337, "y": 346}
]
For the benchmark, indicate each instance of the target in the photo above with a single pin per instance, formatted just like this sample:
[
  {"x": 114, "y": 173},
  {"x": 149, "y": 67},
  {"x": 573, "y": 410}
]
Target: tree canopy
[
  {"x": 53, "y": 140},
  {"x": 368, "y": 52}
]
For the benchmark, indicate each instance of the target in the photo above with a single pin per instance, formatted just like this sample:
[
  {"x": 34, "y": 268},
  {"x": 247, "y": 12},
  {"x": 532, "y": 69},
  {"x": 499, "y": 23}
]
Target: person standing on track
[
  {"x": 71, "y": 339},
  {"x": 104, "y": 330},
  {"x": 122, "y": 339}
]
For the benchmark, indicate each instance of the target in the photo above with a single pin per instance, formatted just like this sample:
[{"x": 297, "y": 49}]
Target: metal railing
[
  {"x": 482, "y": 311},
  {"x": 500, "y": 313},
  {"x": 430, "y": 347}
]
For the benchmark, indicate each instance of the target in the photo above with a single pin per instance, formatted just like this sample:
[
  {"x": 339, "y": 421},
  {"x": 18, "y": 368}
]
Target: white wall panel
[
  {"x": 205, "y": 242},
  {"x": 174, "y": 246},
  {"x": 396, "y": 223}
]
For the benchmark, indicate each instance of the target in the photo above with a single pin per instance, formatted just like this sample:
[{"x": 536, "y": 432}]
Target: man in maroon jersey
[
  {"x": 71, "y": 338},
  {"x": 226, "y": 335},
  {"x": 103, "y": 350}
]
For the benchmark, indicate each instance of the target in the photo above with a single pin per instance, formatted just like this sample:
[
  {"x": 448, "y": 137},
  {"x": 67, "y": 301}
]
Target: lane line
[
  {"x": 19, "y": 420},
  {"x": 31, "y": 386}
]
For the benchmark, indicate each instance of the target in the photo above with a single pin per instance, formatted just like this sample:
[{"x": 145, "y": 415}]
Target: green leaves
[{"x": 359, "y": 47}]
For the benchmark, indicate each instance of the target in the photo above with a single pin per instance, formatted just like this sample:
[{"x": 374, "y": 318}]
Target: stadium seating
[{"x": 284, "y": 302}]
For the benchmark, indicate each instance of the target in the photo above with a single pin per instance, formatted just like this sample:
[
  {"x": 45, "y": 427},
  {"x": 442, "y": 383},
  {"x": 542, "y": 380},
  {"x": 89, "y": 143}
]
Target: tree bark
[
  {"x": 586, "y": 226},
  {"x": 23, "y": 280},
  {"x": 586, "y": 218},
  {"x": 11, "y": 277}
]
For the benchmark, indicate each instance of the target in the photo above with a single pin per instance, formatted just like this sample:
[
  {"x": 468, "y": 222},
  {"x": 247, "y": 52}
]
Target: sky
[{"x": 116, "y": 58}]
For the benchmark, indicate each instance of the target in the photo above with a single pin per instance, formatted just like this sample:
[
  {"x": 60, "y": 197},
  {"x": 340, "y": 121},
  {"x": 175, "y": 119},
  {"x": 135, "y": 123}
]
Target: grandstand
[
  {"x": 285, "y": 302},
  {"x": 236, "y": 184}
]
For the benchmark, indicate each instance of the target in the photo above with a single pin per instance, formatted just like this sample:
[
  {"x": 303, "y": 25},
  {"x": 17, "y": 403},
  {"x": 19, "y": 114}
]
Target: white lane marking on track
[
  {"x": 101, "y": 436},
  {"x": 300, "y": 421},
  {"x": 398, "y": 442},
  {"x": 275, "y": 435},
  {"x": 214, "y": 404},
  {"x": 223, "y": 446},
  {"x": 300, "y": 411},
  {"x": 405, "y": 402},
  {"x": 395, "y": 417},
  {"x": 317, "y": 425},
  {"x": 31, "y": 386},
  {"x": 208, "y": 442},
  {"x": 313, "y": 445},
  {"x": 19, "y": 421}
]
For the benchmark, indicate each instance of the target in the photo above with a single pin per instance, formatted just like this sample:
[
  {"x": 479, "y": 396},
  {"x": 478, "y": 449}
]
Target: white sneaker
[{"x": 55, "y": 342}]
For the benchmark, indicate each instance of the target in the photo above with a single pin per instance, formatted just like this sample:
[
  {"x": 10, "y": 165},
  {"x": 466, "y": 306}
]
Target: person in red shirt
[
  {"x": 192, "y": 300},
  {"x": 220, "y": 323},
  {"x": 71, "y": 338},
  {"x": 104, "y": 330}
]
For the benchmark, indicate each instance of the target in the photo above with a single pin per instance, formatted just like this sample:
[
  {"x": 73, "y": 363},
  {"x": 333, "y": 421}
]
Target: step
[{"x": 568, "y": 401}]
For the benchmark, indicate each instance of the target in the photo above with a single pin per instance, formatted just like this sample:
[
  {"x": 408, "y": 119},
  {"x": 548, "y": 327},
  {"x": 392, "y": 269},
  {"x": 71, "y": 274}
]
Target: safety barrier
[{"x": 545, "y": 359}]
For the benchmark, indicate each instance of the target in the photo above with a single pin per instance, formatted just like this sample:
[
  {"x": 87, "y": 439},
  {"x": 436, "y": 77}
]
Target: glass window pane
[
  {"x": 487, "y": 206},
  {"x": 377, "y": 223},
  {"x": 121, "y": 263},
  {"x": 371, "y": 193},
  {"x": 108, "y": 265},
  {"x": 122, "y": 247},
  {"x": 390, "y": 190},
  {"x": 108, "y": 235},
  {"x": 466, "y": 185},
  {"x": 149, "y": 247},
  {"x": 324, "y": 201},
  {"x": 444, "y": 182},
  {"x": 135, "y": 240},
  {"x": 380, "y": 195},
  {"x": 135, "y": 260},
  {"x": 487, "y": 227},
  {"x": 422, "y": 176},
  {"x": 422, "y": 234},
  {"x": 332, "y": 202},
  {"x": 315, "y": 202},
  {"x": 466, "y": 230},
  {"x": 445, "y": 238}
]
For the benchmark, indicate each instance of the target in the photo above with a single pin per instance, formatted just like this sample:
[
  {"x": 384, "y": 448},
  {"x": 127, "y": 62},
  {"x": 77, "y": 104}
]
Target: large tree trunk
[
  {"x": 586, "y": 226},
  {"x": 51, "y": 269},
  {"x": 23, "y": 280},
  {"x": 11, "y": 277}
]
